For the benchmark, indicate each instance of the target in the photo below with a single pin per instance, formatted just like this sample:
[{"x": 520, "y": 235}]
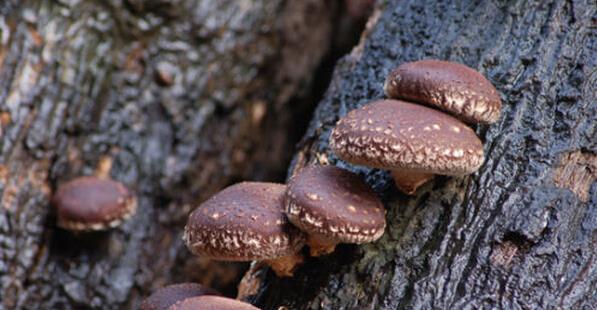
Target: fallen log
[{"x": 521, "y": 233}]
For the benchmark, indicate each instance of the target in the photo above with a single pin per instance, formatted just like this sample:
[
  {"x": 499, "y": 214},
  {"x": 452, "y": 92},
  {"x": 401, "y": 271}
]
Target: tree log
[
  {"x": 174, "y": 98},
  {"x": 521, "y": 233}
]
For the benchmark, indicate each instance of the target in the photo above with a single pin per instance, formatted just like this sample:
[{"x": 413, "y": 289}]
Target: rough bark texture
[
  {"x": 521, "y": 233},
  {"x": 179, "y": 97}
]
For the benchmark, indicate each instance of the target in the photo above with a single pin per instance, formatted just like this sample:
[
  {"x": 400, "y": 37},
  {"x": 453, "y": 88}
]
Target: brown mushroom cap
[
  {"x": 92, "y": 203},
  {"x": 397, "y": 135},
  {"x": 212, "y": 303},
  {"x": 336, "y": 204},
  {"x": 166, "y": 296},
  {"x": 243, "y": 222},
  {"x": 449, "y": 86}
]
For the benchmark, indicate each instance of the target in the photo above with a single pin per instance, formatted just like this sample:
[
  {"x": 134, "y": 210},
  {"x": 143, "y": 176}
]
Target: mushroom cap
[
  {"x": 336, "y": 204},
  {"x": 397, "y": 135},
  {"x": 243, "y": 222},
  {"x": 166, "y": 296},
  {"x": 449, "y": 86},
  {"x": 212, "y": 303},
  {"x": 92, "y": 203}
]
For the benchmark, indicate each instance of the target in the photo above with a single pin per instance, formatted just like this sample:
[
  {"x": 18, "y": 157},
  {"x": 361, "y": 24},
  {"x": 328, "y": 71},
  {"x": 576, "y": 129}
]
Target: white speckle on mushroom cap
[
  {"x": 347, "y": 210},
  {"x": 440, "y": 151},
  {"x": 234, "y": 238},
  {"x": 449, "y": 86},
  {"x": 313, "y": 196}
]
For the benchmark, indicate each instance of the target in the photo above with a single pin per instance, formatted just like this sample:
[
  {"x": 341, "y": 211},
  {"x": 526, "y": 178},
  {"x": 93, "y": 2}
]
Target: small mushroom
[
  {"x": 333, "y": 206},
  {"x": 448, "y": 86},
  {"x": 167, "y": 296},
  {"x": 413, "y": 141},
  {"x": 91, "y": 203},
  {"x": 246, "y": 222},
  {"x": 212, "y": 303}
]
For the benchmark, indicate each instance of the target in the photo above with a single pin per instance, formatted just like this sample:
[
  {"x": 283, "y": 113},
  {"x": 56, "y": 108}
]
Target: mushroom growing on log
[
  {"x": 447, "y": 86},
  {"x": 92, "y": 203},
  {"x": 332, "y": 206},
  {"x": 413, "y": 141},
  {"x": 246, "y": 222}
]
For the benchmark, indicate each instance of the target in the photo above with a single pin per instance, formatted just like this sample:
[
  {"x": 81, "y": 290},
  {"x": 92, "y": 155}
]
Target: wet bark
[
  {"x": 179, "y": 98},
  {"x": 521, "y": 233}
]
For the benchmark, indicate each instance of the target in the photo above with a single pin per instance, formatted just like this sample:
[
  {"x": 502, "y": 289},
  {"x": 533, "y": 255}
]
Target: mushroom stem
[
  {"x": 319, "y": 245},
  {"x": 251, "y": 282},
  {"x": 103, "y": 167},
  {"x": 284, "y": 266},
  {"x": 409, "y": 181}
]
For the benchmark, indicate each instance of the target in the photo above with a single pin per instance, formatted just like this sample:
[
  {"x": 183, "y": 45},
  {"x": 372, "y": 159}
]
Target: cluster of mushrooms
[
  {"x": 320, "y": 206},
  {"x": 408, "y": 136}
]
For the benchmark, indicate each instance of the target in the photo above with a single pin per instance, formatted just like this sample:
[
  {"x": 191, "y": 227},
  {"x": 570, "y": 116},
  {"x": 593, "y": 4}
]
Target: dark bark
[
  {"x": 521, "y": 233},
  {"x": 180, "y": 97}
]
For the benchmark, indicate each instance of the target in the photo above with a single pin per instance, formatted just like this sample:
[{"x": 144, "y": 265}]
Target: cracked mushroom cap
[
  {"x": 92, "y": 203},
  {"x": 448, "y": 86},
  {"x": 243, "y": 222},
  {"x": 334, "y": 203},
  {"x": 167, "y": 296},
  {"x": 397, "y": 135},
  {"x": 212, "y": 303}
]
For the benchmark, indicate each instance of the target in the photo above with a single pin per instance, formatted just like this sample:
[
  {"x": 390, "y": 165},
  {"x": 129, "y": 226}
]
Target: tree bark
[
  {"x": 175, "y": 98},
  {"x": 521, "y": 233}
]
